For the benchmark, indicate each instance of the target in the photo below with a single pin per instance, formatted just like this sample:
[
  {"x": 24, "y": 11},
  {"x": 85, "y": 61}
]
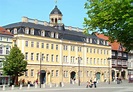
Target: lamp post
[
  {"x": 109, "y": 68},
  {"x": 79, "y": 59},
  {"x": 41, "y": 57},
  {"x": 40, "y": 68}
]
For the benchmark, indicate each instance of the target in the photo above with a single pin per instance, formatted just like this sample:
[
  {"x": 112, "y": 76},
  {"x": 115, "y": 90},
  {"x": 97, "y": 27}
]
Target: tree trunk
[{"x": 16, "y": 80}]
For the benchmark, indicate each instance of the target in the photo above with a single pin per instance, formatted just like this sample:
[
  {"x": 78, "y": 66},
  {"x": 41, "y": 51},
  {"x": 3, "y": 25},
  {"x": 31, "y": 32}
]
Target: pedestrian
[{"x": 95, "y": 82}]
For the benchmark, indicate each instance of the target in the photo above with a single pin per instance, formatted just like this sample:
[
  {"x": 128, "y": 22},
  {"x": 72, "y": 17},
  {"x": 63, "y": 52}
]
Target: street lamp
[
  {"x": 109, "y": 64},
  {"x": 79, "y": 60},
  {"x": 41, "y": 66}
]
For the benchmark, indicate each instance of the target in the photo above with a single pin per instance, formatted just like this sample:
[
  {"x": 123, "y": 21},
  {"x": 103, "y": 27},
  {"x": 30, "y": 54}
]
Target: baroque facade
[{"x": 58, "y": 53}]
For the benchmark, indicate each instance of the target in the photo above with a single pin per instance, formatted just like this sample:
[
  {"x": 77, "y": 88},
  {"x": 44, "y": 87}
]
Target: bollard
[
  {"x": 50, "y": 85},
  {"x": 44, "y": 85},
  {"x": 35, "y": 85},
  {"x": 20, "y": 86},
  {"x": 28, "y": 86},
  {"x": 56, "y": 85},
  {"x": 62, "y": 84},
  {"x": 3, "y": 87},
  {"x": 12, "y": 87}
]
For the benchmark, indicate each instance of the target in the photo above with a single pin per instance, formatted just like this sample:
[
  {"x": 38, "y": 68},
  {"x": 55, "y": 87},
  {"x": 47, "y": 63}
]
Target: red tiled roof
[
  {"x": 115, "y": 45},
  {"x": 4, "y": 31}
]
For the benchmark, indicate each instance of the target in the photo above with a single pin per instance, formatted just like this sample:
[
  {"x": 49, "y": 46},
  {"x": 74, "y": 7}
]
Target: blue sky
[{"x": 11, "y": 11}]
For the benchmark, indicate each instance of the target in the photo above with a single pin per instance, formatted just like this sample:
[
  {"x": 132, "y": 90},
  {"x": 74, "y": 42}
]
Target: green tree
[
  {"x": 114, "y": 18},
  {"x": 14, "y": 64}
]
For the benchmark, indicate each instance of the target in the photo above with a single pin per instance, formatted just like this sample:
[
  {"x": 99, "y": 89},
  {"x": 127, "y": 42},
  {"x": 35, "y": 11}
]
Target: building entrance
[
  {"x": 72, "y": 76},
  {"x": 43, "y": 76}
]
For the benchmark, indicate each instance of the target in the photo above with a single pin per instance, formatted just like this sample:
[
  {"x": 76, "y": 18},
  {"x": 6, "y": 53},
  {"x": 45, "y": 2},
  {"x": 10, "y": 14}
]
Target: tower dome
[
  {"x": 56, "y": 11},
  {"x": 55, "y": 16}
]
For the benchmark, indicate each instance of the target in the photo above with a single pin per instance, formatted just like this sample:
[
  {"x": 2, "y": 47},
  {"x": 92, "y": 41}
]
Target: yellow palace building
[{"x": 57, "y": 53}]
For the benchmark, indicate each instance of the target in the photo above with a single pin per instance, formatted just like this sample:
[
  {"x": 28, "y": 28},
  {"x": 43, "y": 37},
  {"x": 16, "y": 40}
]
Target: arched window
[
  {"x": 32, "y": 31},
  {"x": 42, "y": 33},
  {"x": 56, "y": 35},
  {"x": 52, "y": 34},
  {"x": 15, "y": 30},
  {"x": 26, "y": 30}
]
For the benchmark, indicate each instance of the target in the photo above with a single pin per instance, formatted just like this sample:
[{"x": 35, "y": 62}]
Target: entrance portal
[
  {"x": 42, "y": 76},
  {"x": 123, "y": 74},
  {"x": 72, "y": 76},
  {"x": 98, "y": 75},
  {"x": 113, "y": 75}
]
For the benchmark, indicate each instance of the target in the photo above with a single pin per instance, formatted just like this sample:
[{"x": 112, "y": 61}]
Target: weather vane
[{"x": 56, "y": 2}]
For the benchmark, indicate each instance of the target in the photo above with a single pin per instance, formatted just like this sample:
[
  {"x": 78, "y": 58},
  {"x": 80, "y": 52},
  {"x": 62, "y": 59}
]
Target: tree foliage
[
  {"x": 14, "y": 64},
  {"x": 114, "y": 18}
]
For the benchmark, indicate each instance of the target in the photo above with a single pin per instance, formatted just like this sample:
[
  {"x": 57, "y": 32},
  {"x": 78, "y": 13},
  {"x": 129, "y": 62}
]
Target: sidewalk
[{"x": 68, "y": 86}]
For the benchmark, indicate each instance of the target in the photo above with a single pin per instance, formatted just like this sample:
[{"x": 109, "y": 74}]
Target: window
[
  {"x": 32, "y": 44},
  {"x": 42, "y": 57},
  {"x": 52, "y": 34},
  {"x": 65, "y": 47},
  {"x": 94, "y": 51},
  {"x": 47, "y": 46},
  {"x": 56, "y": 58},
  {"x": 37, "y": 44},
  {"x": 26, "y": 73},
  {"x": 65, "y": 73},
  {"x": 56, "y": 47},
  {"x": 52, "y": 73},
  {"x": 42, "y": 33},
  {"x": 87, "y": 60},
  {"x": 42, "y": 45},
  {"x": 1, "y": 64},
  {"x": 87, "y": 50},
  {"x": 32, "y": 72},
  {"x": 52, "y": 58},
  {"x": 90, "y": 50},
  {"x": 57, "y": 73},
  {"x": 56, "y": 35},
  {"x": 98, "y": 61},
  {"x": 1, "y": 38},
  {"x": 26, "y": 43},
  {"x": 87, "y": 74},
  {"x": 7, "y": 39},
  {"x": 52, "y": 46},
  {"x": 91, "y": 61},
  {"x": 32, "y": 57},
  {"x": 26, "y": 56},
  {"x": 15, "y": 30},
  {"x": 37, "y": 56},
  {"x": 26, "y": 30},
  {"x": 79, "y": 49},
  {"x": 7, "y": 50},
  {"x": 47, "y": 57},
  {"x": 32, "y": 31},
  {"x": 94, "y": 60},
  {"x": 1, "y": 50}
]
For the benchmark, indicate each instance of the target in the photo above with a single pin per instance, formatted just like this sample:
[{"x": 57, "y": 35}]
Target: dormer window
[
  {"x": 26, "y": 30},
  {"x": 15, "y": 30},
  {"x": 97, "y": 41},
  {"x": 103, "y": 42},
  {"x": 52, "y": 34},
  {"x": 32, "y": 31},
  {"x": 90, "y": 40},
  {"x": 87, "y": 40},
  {"x": 42, "y": 33},
  {"x": 56, "y": 35}
]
